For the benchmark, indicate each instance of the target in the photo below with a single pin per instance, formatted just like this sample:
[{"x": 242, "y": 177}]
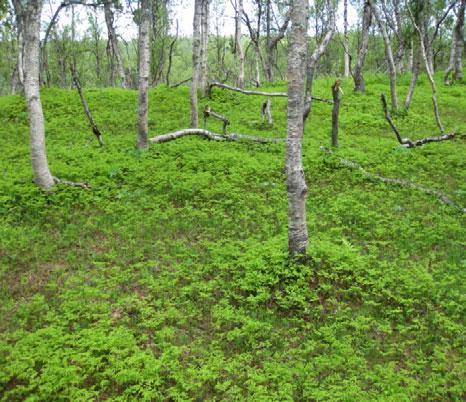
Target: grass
[{"x": 169, "y": 279}]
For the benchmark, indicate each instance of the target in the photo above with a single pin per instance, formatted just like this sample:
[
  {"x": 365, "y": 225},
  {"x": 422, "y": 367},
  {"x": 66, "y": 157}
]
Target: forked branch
[{"x": 406, "y": 142}]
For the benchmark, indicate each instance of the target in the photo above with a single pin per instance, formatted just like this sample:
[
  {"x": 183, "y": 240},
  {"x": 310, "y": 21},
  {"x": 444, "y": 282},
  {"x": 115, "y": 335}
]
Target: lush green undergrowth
[{"x": 169, "y": 279}]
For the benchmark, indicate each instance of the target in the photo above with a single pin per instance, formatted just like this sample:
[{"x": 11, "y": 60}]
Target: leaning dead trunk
[
  {"x": 359, "y": 84},
  {"x": 196, "y": 61},
  {"x": 114, "y": 50},
  {"x": 31, "y": 12},
  {"x": 144, "y": 68},
  {"x": 296, "y": 184}
]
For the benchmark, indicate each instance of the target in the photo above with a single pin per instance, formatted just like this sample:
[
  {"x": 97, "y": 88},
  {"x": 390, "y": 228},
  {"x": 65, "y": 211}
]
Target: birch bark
[
  {"x": 144, "y": 69},
  {"x": 359, "y": 84},
  {"x": 114, "y": 50},
  {"x": 196, "y": 61},
  {"x": 31, "y": 13},
  {"x": 296, "y": 184}
]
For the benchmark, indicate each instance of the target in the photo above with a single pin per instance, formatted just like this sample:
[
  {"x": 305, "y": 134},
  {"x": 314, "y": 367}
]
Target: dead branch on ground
[
  {"x": 399, "y": 182},
  {"x": 208, "y": 112},
  {"x": 213, "y": 136},
  {"x": 258, "y": 93},
  {"x": 406, "y": 142}
]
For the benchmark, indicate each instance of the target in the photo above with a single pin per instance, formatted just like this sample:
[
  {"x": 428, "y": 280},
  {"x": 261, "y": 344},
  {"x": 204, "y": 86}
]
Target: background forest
[{"x": 303, "y": 240}]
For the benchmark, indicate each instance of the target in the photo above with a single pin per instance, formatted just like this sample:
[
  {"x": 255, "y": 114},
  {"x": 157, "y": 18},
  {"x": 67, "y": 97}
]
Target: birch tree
[
  {"x": 114, "y": 54},
  {"x": 359, "y": 83},
  {"x": 457, "y": 41},
  {"x": 30, "y": 13},
  {"x": 239, "y": 53},
  {"x": 196, "y": 61},
  {"x": 388, "y": 55},
  {"x": 346, "y": 39},
  {"x": 296, "y": 183},
  {"x": 204, "y": 50},
  {"x": 144, "y": 69}
]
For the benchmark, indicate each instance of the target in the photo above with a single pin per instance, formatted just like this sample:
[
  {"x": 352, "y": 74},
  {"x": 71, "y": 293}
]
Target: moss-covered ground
[{"x": 169, "y": 278}]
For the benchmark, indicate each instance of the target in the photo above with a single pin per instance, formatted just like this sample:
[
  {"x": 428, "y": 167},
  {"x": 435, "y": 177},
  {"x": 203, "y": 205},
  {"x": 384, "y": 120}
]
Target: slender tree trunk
[
  {"x": 359, "y": 84},
  {"x": 257, "y": 51},
  {"x": 32, "y": 12},
  {"x": 20, "y": 26},
  {"x": 388, "y": 55},
  {"x": 170, "y": 55},
  {"x": 346, "y": 39},
  {"x": 196, "y": 61},
  {"x": 204, "y": 55},
  {"x": 144, "y": 71},
  {"x": 296, "y": 183},
  {"x": 455, "y": 64},
  {"x": 239, "y": 53},
  {"x": 429, "y": 73},
  {"x": 115, "y": 54},
  {"x": 415, "y": 73},
  {"x": 312, "y": 61}
]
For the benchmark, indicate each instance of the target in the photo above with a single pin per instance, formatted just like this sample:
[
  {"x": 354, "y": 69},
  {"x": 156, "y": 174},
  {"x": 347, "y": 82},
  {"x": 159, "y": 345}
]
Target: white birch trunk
[
  {"x": 359, "y": 84},
  {"x": 239, "y": 47},
  {"x": 346, "y": 39},
  {"x": 196, "y": 61},
  {"x": 458, "y": 44},
  {"x": 32, "y": 12},
  {"x": 204, "y": 53},
  {"x": 388, "y": 55},
  {"x": 144, "y": 68},
  {"x": 117, "y": 62},
  {"x": 296, "y": 184}
]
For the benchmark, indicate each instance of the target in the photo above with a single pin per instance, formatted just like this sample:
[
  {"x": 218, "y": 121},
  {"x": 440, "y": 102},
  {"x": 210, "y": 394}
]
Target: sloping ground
[{"x": 168, "y": 280}]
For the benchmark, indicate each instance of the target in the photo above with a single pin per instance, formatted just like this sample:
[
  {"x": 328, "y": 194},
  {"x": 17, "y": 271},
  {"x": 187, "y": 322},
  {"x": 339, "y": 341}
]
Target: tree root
[
  {"x": 213, "y": 136},
  {"x": 400, "y": 182},
  {"x": 84, "y": 185},
  {"x": 406, "y": 142}
]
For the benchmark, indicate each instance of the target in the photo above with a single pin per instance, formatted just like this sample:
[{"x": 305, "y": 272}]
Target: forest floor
[{"x": 169, "y": 278}]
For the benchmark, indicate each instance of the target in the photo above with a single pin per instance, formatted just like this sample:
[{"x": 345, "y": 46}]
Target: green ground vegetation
[{"x": 169, "y": 278}]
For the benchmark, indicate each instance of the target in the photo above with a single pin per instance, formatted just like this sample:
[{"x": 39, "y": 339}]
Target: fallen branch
[
  {"x": 406, "y": 142},
  {"x": 208, "y": 113},
  {"x": 85, "y": 186},
  {"x": 257, "y": 93},
  {"x": 77, "y": 84},
  {"x": 400, "y": 182},
  {"x": 182, "y": 82},
  {"x": 212, "y": 136}
]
